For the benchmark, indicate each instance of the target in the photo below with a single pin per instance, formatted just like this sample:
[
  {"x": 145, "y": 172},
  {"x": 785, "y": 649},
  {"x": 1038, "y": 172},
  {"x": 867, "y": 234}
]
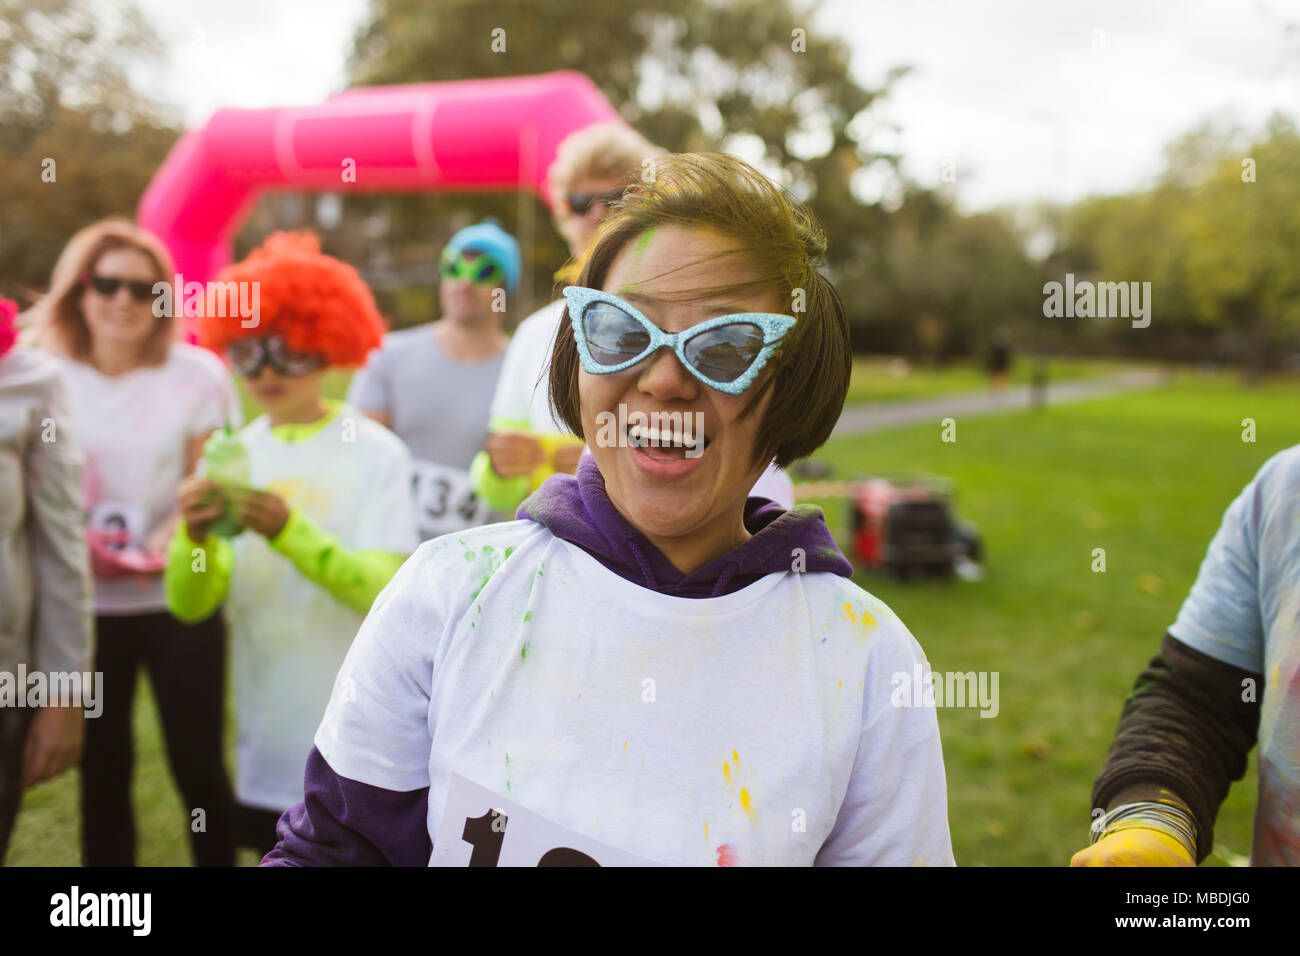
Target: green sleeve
[
  {"x": 501, "y": 494},
  {"x": 197, "y": 575},
  {"x": 354, "y": 578}
]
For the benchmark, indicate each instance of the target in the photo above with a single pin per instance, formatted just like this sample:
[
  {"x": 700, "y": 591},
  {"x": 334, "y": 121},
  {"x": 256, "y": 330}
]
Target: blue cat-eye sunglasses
[{"x": 725, "y": 353}]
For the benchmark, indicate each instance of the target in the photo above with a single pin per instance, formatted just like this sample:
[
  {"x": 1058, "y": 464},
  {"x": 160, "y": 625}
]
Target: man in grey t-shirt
[{"x": 433, "y": 384}]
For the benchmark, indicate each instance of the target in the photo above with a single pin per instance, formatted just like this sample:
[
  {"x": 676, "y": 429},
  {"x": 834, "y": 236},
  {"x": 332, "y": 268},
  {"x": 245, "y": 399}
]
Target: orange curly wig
[{"x": 316, "y": 303}]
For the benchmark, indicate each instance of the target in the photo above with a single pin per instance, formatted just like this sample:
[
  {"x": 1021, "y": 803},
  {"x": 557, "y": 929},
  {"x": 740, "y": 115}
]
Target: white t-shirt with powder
[
  {"x": 755, "y": 728},
  {"x": 288, "y": 636},
  {"x": 134, "y": 429}
]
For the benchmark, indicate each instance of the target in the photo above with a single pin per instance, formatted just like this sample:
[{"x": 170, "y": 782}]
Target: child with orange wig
[{"x": 328, "y": 500}]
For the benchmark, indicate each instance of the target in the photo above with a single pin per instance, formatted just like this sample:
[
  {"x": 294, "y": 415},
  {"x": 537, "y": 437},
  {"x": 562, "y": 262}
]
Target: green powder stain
[
  {"x": 642, "y": 241},
  {"x": 528, "y": 616},
  {"x": 523, "y": 651},
  {"x": 469, "y": 555},
  {"x": 509, "y": 551},
  {"x": 480, "y": 609}
]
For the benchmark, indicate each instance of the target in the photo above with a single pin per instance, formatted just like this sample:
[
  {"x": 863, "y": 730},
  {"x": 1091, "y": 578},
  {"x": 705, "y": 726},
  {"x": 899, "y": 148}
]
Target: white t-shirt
[
  {"x": 523, "y": 390},
  {"x": 288, "y": 635},
  {"x": 755, "y": 728},
  {"x": 133, "y": 429}
]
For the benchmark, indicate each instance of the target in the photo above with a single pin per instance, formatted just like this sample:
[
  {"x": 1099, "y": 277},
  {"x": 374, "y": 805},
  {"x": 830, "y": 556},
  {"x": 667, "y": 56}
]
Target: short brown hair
[
  {"x": 784, "y": 240},
  {"x": 62, "y": 326}
]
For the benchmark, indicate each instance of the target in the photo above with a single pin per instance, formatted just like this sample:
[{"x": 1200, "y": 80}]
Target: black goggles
[{"x": 248, "y": 356}]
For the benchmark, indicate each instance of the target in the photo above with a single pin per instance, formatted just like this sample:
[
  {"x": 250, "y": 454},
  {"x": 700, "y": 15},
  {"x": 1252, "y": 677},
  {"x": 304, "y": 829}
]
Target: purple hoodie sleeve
[{"x": 343, "y": 822}]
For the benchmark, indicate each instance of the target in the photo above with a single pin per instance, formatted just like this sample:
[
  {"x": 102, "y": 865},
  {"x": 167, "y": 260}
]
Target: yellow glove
[{"x": 1134, "y": 846}]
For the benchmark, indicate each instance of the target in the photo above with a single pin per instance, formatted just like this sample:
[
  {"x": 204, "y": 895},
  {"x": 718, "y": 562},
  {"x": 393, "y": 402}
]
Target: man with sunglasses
[{"x": 433, "y": 384}]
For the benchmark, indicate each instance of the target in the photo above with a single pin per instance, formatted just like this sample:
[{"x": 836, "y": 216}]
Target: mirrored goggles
[
  {"x": 725, "y": 353},
  {"x": 248, "y": 356},
  {"x": 475, "y": 267}
]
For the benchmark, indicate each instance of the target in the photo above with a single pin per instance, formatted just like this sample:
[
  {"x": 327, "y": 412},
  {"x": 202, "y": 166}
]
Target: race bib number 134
[{"x": 444, "y": 500}]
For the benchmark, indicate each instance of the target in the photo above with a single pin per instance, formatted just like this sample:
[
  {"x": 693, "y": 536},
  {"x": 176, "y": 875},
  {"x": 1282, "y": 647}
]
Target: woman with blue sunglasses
[{"x": 648, "y": 666}]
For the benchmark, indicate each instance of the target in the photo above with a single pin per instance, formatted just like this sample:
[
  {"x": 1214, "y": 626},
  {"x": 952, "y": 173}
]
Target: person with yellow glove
[{"x": 1196, "y": 711}]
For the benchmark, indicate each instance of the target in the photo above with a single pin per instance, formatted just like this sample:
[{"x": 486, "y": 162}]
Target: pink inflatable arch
[{"x": 467, "y": 134}]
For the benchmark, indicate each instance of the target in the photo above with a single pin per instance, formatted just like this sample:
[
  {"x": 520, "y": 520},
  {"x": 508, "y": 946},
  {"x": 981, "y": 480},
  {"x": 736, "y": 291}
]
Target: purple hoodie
[{"x": 343, "y": 822}]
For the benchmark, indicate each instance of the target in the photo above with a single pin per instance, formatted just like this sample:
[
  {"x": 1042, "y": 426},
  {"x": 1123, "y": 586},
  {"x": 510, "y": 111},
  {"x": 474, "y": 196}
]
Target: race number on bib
[
  {"x": 444, "y": 500},
  {"x": 120, "y": 526},
  {"x": 482, "y": 828}
]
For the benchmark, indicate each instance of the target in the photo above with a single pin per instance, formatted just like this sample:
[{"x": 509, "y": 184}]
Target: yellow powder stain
[
  {"x": 726, "y": 772},
  {"x": 859, "y": 685},
  {"x": 706, "y": 831},
  {"x": 841, "y": 687},
  {"x": 744, "y": 801},
  {"x": 736, "y": 757},
  {"x": 867, "y": 621},
  {"x": 625, "y": 746}
]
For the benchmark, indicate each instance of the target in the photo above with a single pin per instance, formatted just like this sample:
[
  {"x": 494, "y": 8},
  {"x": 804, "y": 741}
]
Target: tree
[
  {"x": 79, "y": 143},
  {"x": 724, "y": 75}
]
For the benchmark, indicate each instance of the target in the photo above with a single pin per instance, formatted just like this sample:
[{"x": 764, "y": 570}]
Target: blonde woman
[{"x": 142, "y": 405}]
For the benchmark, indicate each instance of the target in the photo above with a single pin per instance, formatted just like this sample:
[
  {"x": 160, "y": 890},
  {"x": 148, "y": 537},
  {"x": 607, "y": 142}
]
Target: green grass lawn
[
  {"x": 1145, "y": 476},
  {"x": 879, "y": 378}
]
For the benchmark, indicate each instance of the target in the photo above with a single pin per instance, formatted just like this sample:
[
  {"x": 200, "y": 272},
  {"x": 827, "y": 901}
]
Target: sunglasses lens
[
  {"x": 245, "y": 355},
  {"x": 104, "y": 286},
  {"x": 613, "y": 336},
  {"x": 723, "y": 354},
  {"x": 580, "y": 202},
  {"x": 285, "y": 360},
  {"x": 141, "y": 291},
  {"x": 447, "y": 268},
  {"x": 486, "y": 272}
]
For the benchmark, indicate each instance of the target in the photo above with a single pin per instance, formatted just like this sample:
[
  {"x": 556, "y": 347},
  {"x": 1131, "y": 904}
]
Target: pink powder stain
[{"x": 726, "y": 855}]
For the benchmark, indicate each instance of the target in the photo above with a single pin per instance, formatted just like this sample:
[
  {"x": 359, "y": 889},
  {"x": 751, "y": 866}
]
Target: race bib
[
  {"x": 444, "y": 500},
  {"x": 482, "y": 828},
  {"x": 119, "y": 526}
]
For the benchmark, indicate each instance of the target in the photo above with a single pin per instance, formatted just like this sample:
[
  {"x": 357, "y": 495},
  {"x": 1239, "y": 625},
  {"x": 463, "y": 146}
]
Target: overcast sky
[{"x": 1020, "y": 99}]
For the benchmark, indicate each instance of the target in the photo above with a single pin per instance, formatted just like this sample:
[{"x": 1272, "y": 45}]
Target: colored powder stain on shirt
[
  {"x": 706, "y": 831},
  {"x": 726, "y": 855},
  {"x": 726, "y": 772},
  {"x": 745, "y": 802},
  {"x": 523, "y": 651},
  {"x": 528, "y": 616},
  {"x": 625, "y": 746},
  {"x": 867, "y": 621},
  {"x": 736, "y": 757},
  {"x": 469, "y": 555},
  {"x": 509, "y": 551}
]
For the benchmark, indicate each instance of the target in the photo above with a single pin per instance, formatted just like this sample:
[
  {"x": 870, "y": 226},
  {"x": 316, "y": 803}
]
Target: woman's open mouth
[{"x": 666, "y": 452}]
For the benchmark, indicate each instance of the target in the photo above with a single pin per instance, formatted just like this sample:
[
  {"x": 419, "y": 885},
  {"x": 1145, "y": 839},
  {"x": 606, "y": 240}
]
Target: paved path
[{"x": 862, "y": 419}]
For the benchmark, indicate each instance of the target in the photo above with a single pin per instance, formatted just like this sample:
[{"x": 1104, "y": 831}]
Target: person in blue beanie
[{"x": 432, "y": 384}]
